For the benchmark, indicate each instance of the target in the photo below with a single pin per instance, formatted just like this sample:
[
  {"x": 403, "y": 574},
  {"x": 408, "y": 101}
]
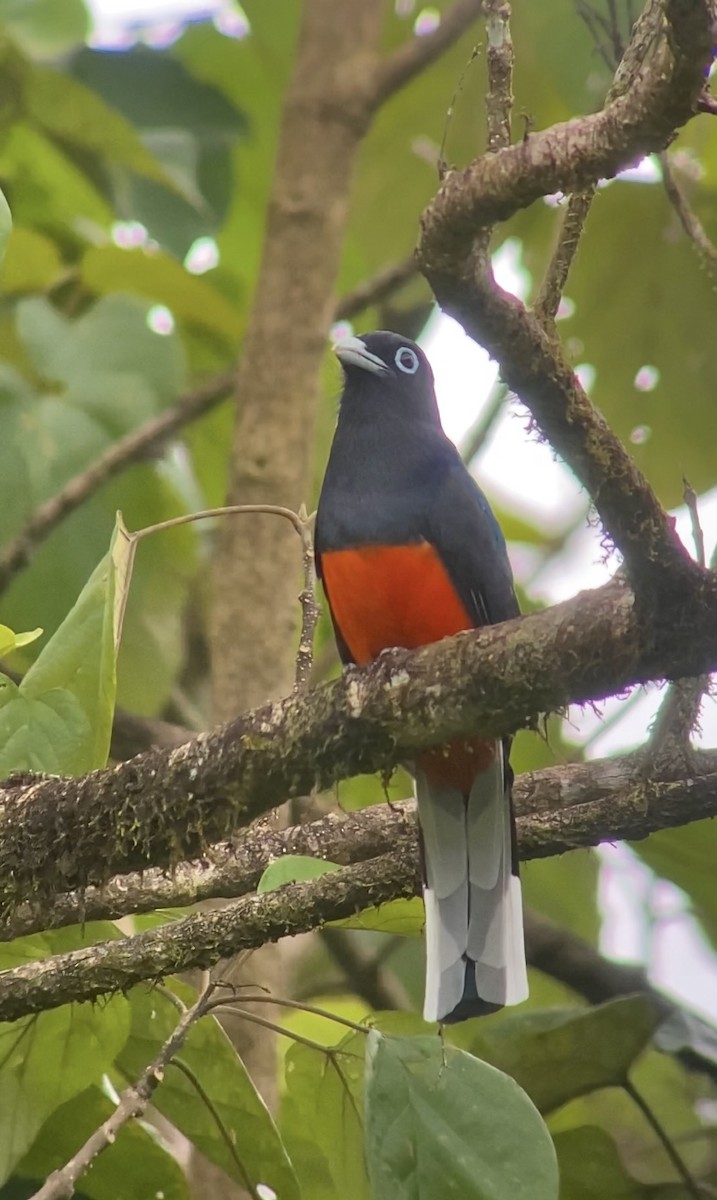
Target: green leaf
[
  {"x": 106, "y": 373},
  {"x": 255, "y": 1152},
  {"x": 155, "y": 91},
  {"x": 321, "y": 1119},
  {"x": 591, "y": 1168},
  {"x": 564, "y": 889},
  {"x": 32, "y": 263},
  {"x": 673, "y": 1096},
  {"x": 74, "y": 114},
  {"x": 440, "y": 1123},
  {"x": 135, "y": 1157},
  {"x": 293, "y": 868},
  {"x": 405, "y": 917},
  {"x": 10, "y": 641},
  {"x": 666, "y": 302},
  {"x": 190, "y": 298},
  {"x": 397, "y": 916},
  {"x": 111, "y": 339},
  {"x": 49, "y": 190},
  {"x": 46, "y": 28},
  {"x": 190, "y": 128},
  {"x": 59, "y": 719},
  {"x": 559, "y": 1054},
  {"x": 80, "y": 1041},
  {"x": 5, "y": 225}
]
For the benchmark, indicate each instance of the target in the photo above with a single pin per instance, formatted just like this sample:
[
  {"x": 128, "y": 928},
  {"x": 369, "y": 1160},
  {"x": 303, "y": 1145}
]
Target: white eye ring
[{"x": 406, "y": 360}]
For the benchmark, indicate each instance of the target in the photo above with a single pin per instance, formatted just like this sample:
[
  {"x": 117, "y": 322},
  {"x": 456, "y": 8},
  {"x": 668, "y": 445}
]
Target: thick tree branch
[
  {"x": 632, "y": 809},
  {"x": 675, "y": 48},
  {"x": 232, "y": 870},
  {"x": 165, "y": 806},
  {"x": 660, "y": 90},
  {"x": 204, "y": 938}
]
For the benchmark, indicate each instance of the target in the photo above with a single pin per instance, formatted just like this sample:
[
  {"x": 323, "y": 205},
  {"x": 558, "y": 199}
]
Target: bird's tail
[{"x": 475, "y": 950}]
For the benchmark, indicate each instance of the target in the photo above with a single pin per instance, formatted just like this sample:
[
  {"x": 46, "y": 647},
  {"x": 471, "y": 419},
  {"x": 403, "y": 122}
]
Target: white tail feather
[{"x": 474, "y": 914}]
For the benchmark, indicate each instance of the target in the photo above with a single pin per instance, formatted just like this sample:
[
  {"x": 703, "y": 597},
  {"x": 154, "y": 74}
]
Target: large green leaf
[
  {"x": 440, "y": 1123},
  {"x": 107, "y": 269},
  {"x": 251, "y": 74},
  {"x": 559, "y": 1054},
  {"x": 591, "y": 1168},
  {"x": 47, "y": 189},
  {"x": 75, "y": 115},
  {"x": 32, "y": 263},
  {"x": 59, "y": 718},
  {"x": 564, "y": 889},
  {"x": 661, "y": 315},
  {"x": 321, "y": 1119},
  {"x": 188, "y": 125},
  {"x": 672, "y": 1095},
  {"x": 255, "y": 1152},
  {"x": 155, "y": 91},
  {"x": 46, "y": 28},
  {"x": 133, "y": 1166},
  {"x": 95, "y": 379},
  {"x": 47, "y": 1059}
]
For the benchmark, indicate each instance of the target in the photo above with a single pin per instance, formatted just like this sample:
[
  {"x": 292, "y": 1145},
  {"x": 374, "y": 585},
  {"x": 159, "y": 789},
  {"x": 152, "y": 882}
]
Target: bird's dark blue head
[{"x": 383, "y": 370}]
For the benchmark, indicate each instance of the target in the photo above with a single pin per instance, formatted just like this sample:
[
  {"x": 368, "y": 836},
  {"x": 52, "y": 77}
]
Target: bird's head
[{"x": 389, "y": 370}]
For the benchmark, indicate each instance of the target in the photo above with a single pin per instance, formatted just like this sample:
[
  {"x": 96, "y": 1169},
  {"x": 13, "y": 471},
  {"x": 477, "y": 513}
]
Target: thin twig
[
  {"x": 571, "y": 228},
  {"x": 224, "y": 1134},
  {"x": 661, "y": 1133},
  {"x": 310, "y": 611},
  {"x": 689, "y": 495},
  {"x": 229, "y": 1010},
  {"x": 377, "y": 985},
  {"x": 410, "y": 59},
  {"x": 284, "y": 1002},
  {"x": 121, "y": 454},
  {"x": 478, "y": 434},
  {"x": 132, "y": 1103},
  {"x": 499, "y": 54},
  {"x": 679, "y": 711},
  {"x": 379, "y": 287},
  {"x": 226, "y": 510},
  {"x": 689, "y": 220}
]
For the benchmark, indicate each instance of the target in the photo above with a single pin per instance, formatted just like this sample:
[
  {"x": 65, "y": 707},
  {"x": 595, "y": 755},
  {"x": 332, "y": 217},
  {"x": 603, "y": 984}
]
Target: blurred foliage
[{"x": 138, "y": 181}]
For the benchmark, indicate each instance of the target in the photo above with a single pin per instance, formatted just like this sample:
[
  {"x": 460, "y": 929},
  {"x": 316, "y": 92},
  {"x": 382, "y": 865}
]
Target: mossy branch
[{"x": 166, "y": 806}]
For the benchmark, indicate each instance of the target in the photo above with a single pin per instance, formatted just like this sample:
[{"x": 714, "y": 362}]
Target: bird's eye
[{"x": 406, "y": 360}]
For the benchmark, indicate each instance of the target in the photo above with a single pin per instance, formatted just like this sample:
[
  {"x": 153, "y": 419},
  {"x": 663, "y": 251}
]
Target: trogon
[{"x": 409, "y": 552}]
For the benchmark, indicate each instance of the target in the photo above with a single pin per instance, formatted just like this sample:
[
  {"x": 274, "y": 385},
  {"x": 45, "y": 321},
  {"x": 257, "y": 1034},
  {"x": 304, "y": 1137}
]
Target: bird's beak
[{"x": 351, "y": 351}]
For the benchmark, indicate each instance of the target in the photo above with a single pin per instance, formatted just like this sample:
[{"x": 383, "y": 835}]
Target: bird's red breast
[{"x": 383, "y": 596}]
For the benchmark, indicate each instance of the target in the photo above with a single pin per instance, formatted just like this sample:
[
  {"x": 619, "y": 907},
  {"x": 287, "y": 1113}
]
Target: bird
[{"x": 409, "y": 552}]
